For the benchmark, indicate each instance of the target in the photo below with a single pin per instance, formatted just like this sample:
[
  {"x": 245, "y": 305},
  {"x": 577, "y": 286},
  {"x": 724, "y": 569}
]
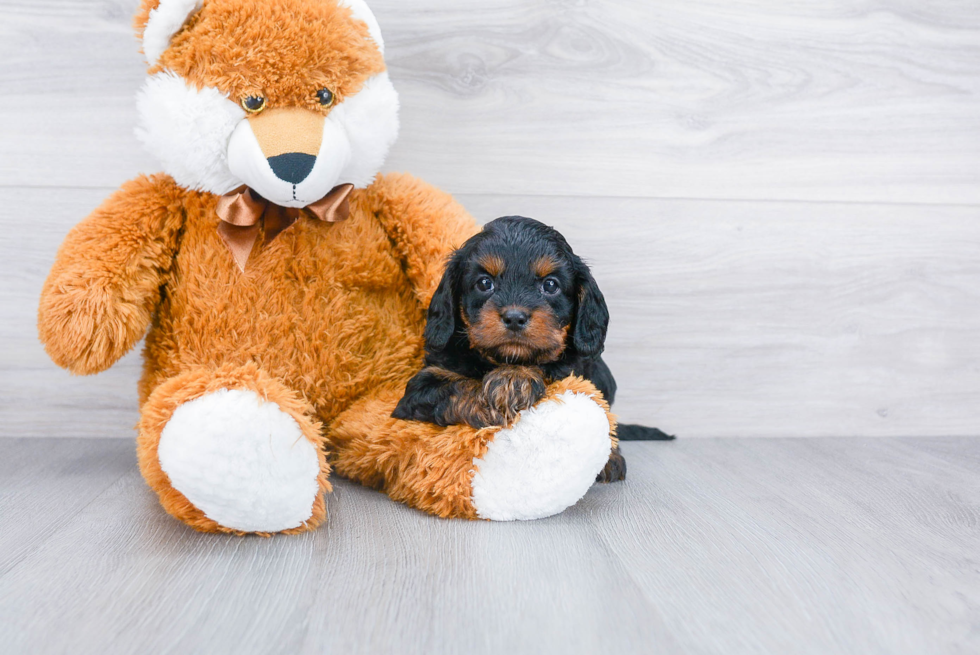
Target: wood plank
[
  {"x": 728, "y": 318},
  {"x": 45, "y": 483},
  {"x": 871, "y": 101},
  {"x": 870, "y": 540},
  {"x": 380, "y": 578},
  {"x": 711, "y": 546}
]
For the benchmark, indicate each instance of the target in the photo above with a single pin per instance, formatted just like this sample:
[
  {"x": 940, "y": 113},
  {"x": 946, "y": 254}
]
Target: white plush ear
[
  {"x": 188, "y": 130},
  {"x": 361, "y": 11},
  {"x": 165, "y": 21}
]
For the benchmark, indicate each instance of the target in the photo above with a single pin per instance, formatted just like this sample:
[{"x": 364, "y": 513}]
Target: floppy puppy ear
[
  {"x": 159, "y": 20},
  {"x": 441, "y": 321},
  {"x": 591, "y": 315}
]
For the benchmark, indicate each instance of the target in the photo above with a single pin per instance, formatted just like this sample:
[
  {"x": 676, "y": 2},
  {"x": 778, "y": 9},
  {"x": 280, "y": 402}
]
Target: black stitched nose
[
  {"x": 293, "y": 167},
  {"x": 514, "y": 319}
]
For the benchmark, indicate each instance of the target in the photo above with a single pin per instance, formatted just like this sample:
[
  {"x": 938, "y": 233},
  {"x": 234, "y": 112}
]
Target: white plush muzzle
[
  {"x": 356, "y": 137},
  {"x": 203, "y": 140}
]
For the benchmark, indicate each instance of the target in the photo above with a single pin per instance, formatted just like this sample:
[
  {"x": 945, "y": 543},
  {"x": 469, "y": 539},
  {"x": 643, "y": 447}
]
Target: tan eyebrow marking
[
  {"x": 544, "y": 266},
  {"x": 492, "y": 264}
]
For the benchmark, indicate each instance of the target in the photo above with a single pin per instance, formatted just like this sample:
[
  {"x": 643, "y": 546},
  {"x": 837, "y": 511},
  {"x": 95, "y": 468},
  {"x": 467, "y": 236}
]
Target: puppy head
[
  {"x": 519, "y": 295},
  {"x": 290, "y": 97}
]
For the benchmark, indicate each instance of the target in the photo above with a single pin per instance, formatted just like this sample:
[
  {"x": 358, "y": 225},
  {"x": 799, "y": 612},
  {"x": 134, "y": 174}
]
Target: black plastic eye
[
  {"x": 484, "y": 284},
  {"x": 253, "y": 104},
  {"x": 325, "y": 96},
  {"x": 550, "y": 286}
]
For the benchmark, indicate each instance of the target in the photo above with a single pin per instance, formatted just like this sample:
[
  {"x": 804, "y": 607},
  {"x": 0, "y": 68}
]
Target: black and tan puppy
[{"x": 516, "y": 309}]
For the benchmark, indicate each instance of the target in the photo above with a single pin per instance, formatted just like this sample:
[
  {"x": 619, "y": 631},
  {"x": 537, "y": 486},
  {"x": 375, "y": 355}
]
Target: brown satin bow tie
[{"x": 241, "y": 210}]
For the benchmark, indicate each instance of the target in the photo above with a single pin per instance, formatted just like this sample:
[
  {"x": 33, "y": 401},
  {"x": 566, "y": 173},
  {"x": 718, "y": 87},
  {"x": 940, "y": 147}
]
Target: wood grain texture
[
  {"x": 728, "y": 318},
  {"x": 710, "y": 546},
  {"x": 36, "y": 397},
  {"x": 877, "y": 100},
  {"x": 782, "y": 319}
]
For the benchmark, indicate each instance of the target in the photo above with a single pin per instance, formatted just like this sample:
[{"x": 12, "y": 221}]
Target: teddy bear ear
[
  {"x": 160, "y": 20},
  {"x": 361, "y": 11}
]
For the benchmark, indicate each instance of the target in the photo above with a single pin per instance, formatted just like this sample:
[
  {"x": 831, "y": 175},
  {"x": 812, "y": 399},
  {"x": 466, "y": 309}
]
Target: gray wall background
[{"x": 781, "y": 200}]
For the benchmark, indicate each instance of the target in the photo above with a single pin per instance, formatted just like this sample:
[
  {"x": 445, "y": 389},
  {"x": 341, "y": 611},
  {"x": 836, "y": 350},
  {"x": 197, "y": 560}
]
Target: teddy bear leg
[
  {"x": 234, "y": 450},
  {"x": 537, "y": 467}
]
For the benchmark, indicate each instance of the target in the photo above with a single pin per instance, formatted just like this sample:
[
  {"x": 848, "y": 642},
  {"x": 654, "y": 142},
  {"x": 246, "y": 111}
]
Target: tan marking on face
[
  {"x": 492, "y": 264},
  {"x": 542, "y": 341},
  {"x": 549, "y": 339},
  {"x": 288, "y": 129},
  {"x": 544, "y": 266}
]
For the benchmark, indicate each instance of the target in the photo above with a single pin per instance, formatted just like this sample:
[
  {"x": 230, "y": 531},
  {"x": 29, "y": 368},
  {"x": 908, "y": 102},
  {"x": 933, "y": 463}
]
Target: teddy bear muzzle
[
  {"x": 290, "y": 138},
  {"x": 289, "y": 155}
]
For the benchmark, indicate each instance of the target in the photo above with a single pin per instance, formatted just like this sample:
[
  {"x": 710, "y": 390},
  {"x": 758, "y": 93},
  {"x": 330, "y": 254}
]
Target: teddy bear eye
[
  {"x": 325, "y": 96},
  {"x": 253, "y": 104}
]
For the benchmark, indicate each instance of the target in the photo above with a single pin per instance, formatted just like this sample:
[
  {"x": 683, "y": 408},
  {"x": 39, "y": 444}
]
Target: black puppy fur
[{"x": 515, "y": 310}]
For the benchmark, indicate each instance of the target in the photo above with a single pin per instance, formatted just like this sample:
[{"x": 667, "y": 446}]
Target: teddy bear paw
[
  {"x": 545, "y": 462},
  {"x": 242, "y": 461}
]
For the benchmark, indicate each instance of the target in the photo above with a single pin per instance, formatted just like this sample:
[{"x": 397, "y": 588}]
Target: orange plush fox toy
[{"x": 284, "y": 283}]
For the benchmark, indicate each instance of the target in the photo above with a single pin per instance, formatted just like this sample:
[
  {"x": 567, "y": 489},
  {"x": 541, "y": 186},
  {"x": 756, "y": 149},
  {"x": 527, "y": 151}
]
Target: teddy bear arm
[
  {"x": 105, "y": 284},
  {"x": 539, "y": 465},
  {"x": 424, "y": 224}
]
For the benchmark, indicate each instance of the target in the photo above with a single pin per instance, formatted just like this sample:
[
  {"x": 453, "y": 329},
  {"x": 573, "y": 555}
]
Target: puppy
[{"x": 516, "y": 309}]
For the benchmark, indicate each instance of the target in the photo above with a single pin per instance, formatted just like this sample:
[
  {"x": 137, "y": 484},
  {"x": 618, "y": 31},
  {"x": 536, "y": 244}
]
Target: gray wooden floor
[{"x": 724, "y": 546}]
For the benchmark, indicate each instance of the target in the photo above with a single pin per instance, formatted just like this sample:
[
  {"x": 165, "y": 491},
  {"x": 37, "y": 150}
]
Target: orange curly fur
[
  {"x": 336, "y": 334},
  {"x": 95, "y": 308},
  {"x": 421, "y": 464},
  {"x": 226, "y": 46},
  {"x": 327, "y": 319}
]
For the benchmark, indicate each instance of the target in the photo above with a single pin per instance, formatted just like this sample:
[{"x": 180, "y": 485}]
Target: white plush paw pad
[
  {"x": 545, "y": 462},
  {"x": 242, "y": 461}
]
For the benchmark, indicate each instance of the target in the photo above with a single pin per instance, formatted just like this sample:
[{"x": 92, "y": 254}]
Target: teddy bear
[{"x": 281, "y": 284}]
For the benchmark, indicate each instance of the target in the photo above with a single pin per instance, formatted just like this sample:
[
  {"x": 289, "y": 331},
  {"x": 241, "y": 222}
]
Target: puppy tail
[{"x": 630, "y": 432}]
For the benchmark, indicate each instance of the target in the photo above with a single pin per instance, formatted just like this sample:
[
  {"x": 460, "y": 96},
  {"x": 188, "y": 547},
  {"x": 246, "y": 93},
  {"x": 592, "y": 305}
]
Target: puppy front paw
[
  {"x": 614, "y": 470},
  {"x": 508, "y": 390}
]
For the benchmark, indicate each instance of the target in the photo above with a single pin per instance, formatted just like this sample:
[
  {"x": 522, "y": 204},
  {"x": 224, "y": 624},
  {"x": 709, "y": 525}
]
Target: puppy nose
[
  {"x": 514, "y": 319},
  {"x": 292, "y": 167}
]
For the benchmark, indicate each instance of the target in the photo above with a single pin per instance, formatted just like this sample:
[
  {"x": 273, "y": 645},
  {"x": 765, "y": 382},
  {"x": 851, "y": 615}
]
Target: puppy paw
[
  {"x": 614, "y": 470},
  {"x": 508, "y": 390}
]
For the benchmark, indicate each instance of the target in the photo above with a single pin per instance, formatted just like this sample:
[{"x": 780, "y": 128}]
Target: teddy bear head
[{"x": 288, "y": 97}]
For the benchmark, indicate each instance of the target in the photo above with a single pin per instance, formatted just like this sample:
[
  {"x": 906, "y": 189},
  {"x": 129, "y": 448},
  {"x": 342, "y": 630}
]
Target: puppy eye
[
  {"x": 253, "y": 104},
  {"x": 325, "y": 96},
  {"x": 484, "y": 284},
  {"x": 550, "y": 286}
]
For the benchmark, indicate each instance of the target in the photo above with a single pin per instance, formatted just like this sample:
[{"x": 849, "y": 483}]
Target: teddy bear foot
[
  {"x": 545, "y": 462},
  {"x": 241, "y": 461},
  {"x": 233, "y": 459}
]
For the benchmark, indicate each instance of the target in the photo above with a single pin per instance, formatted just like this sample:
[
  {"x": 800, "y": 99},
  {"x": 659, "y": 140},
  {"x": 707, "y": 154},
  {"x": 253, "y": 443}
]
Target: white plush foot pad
[
  {"x": 545, "y": 462},
  {"x": 242, "y": 461}
]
